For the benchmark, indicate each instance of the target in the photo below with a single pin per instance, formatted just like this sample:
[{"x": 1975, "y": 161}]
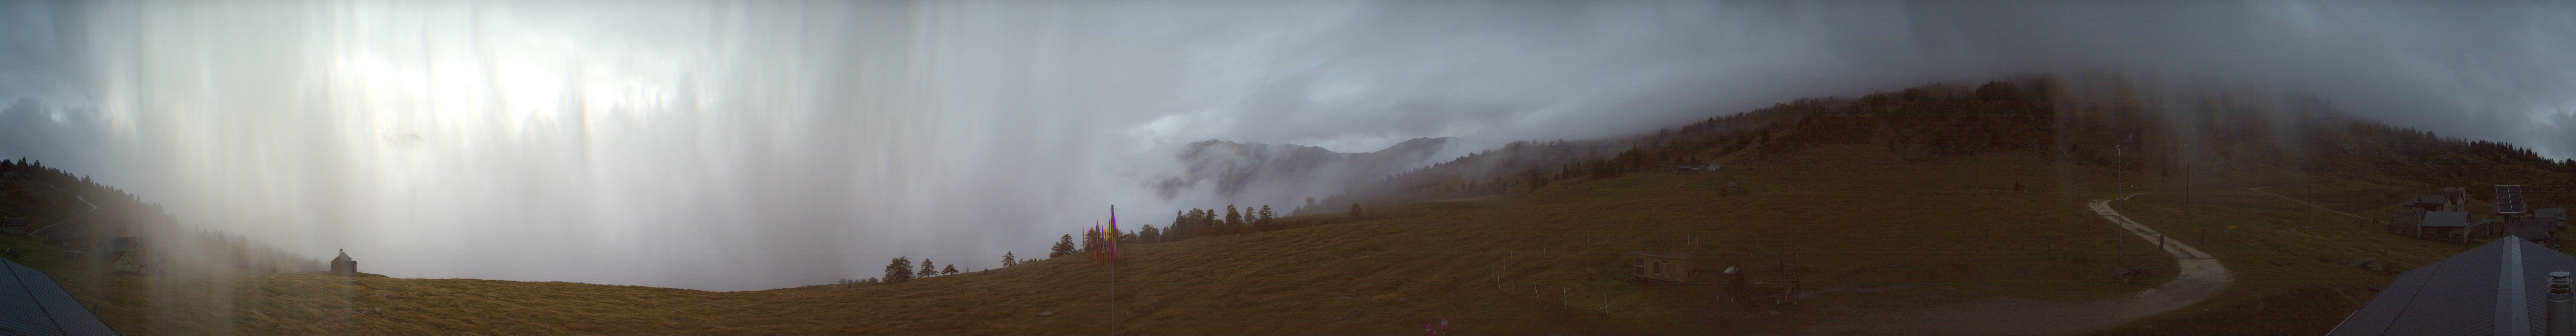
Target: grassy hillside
[
  {"x": 1862, "y": 232},
  {"x": 1906, "y": 200}
]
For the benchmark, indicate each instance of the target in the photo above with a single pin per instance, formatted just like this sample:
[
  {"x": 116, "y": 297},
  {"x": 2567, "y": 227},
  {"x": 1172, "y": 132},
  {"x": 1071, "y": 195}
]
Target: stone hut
[
  {"x": 1665, "y": 267},
  {"x": 342, "y": 266}
]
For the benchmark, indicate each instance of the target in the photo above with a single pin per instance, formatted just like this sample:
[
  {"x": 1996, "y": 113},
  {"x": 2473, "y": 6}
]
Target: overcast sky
[{"x": 729, "y": 146}]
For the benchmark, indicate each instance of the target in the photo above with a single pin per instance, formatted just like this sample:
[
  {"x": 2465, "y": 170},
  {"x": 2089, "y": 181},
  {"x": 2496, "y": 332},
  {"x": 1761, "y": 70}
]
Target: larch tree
[
  {"x": 899, "y": 270},
  {"x": 1090, "y": 240},
  {"x": 951, "y": 269},
  {"x": 1063, "y": 247},
  {"x": 1265, "y": 219},
  {"x": 1355, "y": 212},
  {"x": 926, "y": 269},
  {"x": 1176, "y": 231},
  {"x": 1008, "y": 260},
  {"x": 1233, "y": 220}
]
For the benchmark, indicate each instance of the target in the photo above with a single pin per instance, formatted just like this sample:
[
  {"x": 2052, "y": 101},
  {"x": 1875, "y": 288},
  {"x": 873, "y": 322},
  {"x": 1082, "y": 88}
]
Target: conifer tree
[
  {"x": 1266, "y": 219},
  {"x": 899, "y": 270},
  {"x": 951, "y": 269},
  {"x": 1355, "y": 212},
  {"x": 926, "y": 269},
  {"x": 1090, "y": 240},
  {"x": 1176, "y": 231},
  {"x": 1233, "y": 219},
  {"x": 1063, "y": 247},
  {"x": 1149, "y": 234},
  {"x": 1008, "y": 260}
]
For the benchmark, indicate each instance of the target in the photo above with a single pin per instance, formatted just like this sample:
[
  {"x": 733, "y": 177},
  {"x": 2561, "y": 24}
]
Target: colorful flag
[{"x": 1113, "y": 234}]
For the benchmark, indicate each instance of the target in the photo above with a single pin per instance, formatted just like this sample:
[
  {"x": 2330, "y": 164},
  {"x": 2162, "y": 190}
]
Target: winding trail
[{"x": 2201, "y": 276}]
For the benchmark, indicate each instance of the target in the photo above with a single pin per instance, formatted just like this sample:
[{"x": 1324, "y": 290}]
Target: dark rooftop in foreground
[
  {"x": 32, "y": 304},
  {"x": 2496, "y": 289}
]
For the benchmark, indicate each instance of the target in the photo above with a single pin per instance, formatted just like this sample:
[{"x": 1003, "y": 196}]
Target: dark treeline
[{"x": 52, "y": 197}]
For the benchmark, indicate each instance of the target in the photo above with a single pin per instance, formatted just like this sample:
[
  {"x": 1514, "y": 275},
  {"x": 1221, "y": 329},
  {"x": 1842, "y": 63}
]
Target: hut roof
[
  {"x": 2453, "y": 195},
  {"x": 2495, "y": 289},
  {"x": 122, "y": 244},
  {"x": 2406, "y": 217},
  {"x": 1662, "y": 255},
  {"x": 32, "y": 304},
  {"x": 2427, "y": 199},
  {"x": 2446, "y": 219}
]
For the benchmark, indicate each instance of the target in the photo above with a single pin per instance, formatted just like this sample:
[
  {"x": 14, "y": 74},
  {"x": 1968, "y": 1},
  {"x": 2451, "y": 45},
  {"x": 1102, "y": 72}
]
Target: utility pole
[{"x": 2121, "y": 169}]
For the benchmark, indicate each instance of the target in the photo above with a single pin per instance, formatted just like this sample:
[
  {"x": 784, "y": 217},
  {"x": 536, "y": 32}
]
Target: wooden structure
[
  {"x": 2446, "y": 225},
  {"x": 343, "y": 266},
  {"x": 2458, "y": 195},
  {"x": 2537, "y": 230},
  {"x": 2434, "y": 203},
  {"x": 1661, "y": 266},
  {"x": 2406, "y": 222}
]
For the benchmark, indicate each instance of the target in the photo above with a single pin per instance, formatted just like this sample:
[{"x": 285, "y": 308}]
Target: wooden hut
[
  {"x": 2406, "y": 222},
  {"x": 2433, "y": 203},
  {"x": 2537, "y": 230},
  {"x": 2446, "y": 225},
  {"x": 343, "y": 266},
  {"x": 1662, "y": 266}
]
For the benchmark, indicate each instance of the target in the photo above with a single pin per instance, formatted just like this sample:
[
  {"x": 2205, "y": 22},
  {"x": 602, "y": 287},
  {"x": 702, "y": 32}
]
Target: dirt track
[{"x": 2201, "y": 276}]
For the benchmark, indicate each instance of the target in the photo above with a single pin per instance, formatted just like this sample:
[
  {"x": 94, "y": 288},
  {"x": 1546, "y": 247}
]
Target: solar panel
[{"x": 2509, "y": 200}]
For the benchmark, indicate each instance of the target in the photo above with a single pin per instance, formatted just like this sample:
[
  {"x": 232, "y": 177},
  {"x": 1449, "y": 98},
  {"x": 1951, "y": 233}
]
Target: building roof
[
  {"x": 2406, "y": 217},
  {"x": 2495, "y": 289},
  {"x": 122, "y": 244},
  {"x": 32, "y": 304},
  {"x": 1663, "y": 255},
  {"x": 2427, "y": 199},
  {"x": 2457, "y": 196},
  {"x": 2531, "y": 227},
  {"x": 2446, "y": 219}
]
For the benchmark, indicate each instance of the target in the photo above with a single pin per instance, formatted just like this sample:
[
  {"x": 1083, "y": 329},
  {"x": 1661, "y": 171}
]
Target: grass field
[
  {"x": 1827, "y": 230},
  {"x": 1852, "y": 230}
]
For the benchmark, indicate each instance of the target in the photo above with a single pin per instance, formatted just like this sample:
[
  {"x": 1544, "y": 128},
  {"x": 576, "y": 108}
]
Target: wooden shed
[
  {"x": 1662, "y": 266},
  {"x": 2537, "y": 230},
  {"x": 2406, "y": 222},
  {"x": 343, "y": 266}
]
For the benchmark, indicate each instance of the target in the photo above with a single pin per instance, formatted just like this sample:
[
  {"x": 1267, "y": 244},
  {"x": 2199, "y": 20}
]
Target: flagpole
[{"x": 1113, "y": 270}]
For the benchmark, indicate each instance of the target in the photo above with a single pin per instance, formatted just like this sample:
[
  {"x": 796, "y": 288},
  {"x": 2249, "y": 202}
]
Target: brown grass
[{"x": 1865, "y": 232}]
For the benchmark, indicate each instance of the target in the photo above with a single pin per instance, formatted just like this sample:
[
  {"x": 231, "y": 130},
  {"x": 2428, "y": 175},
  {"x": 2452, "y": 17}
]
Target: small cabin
[
  {"x": 343, "y": 266},
  {"x": 1661, "y": 266},
  {"x": 2434, "y": 203},
  {"x": 2446, "y": 225},
  {"x": 2538, "y": 230},
  {"x": 2406, "y": 222}
]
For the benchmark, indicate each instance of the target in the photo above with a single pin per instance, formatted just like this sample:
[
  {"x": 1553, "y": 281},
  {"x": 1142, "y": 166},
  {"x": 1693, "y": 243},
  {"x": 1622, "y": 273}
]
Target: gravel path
[{"x": 2201, "y": 276}]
